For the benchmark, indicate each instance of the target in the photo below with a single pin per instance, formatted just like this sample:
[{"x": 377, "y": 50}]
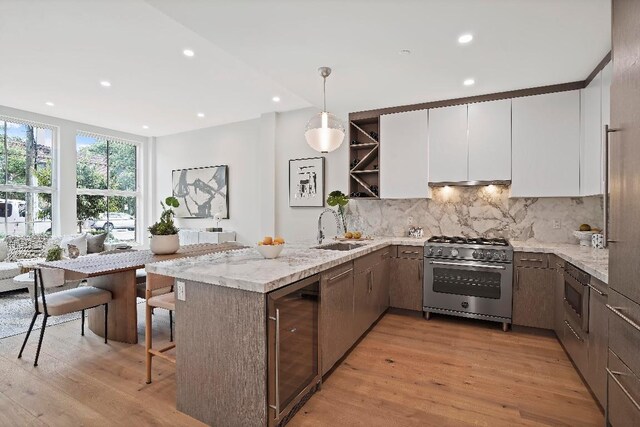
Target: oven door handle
[{"x": 455, "y": 264}]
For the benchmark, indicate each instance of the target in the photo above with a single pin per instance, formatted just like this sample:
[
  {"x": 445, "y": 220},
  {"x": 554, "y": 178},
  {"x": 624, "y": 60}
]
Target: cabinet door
[
  {"x": 405, "y": 287},
  {"x": 403, "y": 155},
  {"x": 490, "y": 141},
  {"x": 448, "y": 149},
  {"x": 591, "y": 138},
  {"x": 362, "y": 303},
  {"x": 598, "y": 341},
  {"x": 381, "y": 286},
  {"x": 546, "y": 145},
  {"x": 533, "y": 297},
  {"x": 558, "y": 299},
  {"x": 336, "y": 315}
]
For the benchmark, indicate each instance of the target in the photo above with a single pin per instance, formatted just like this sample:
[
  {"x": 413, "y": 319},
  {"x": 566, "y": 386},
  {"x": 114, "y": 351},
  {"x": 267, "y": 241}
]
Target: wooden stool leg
[
  {"x": 82, "y": 324},
  {"x": 147, "y": 337}
]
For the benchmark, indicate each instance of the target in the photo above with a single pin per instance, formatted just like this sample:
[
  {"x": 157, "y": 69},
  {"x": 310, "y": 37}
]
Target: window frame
[
  {"x": 37, "y": 189},
  {"x": 136, "y": 194}
]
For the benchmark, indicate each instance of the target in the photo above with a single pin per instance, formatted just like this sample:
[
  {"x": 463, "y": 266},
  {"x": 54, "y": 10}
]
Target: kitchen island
[{"x": 222, "y": 325}]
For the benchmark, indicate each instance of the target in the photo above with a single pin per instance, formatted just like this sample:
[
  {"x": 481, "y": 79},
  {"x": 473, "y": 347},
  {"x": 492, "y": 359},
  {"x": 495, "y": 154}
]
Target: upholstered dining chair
[
  {"x": 51, "y": 301},
  {"x": 168, "y": 302}
]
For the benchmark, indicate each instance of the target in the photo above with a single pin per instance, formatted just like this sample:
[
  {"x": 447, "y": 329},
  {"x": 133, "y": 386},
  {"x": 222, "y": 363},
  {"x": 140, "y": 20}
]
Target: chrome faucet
[{"x": 339, "y": 225}]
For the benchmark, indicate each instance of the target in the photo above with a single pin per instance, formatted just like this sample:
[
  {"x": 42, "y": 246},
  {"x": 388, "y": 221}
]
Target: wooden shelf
[
  {"x": 364, "y": 145},
  {"x": 363, "y": 177}
]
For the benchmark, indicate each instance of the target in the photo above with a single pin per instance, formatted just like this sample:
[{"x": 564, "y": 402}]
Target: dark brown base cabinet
[
  {"x": 352, "y": 298},
  {"x": 533, "y": 295},
  {"x": 406, "y": 283},
  {"x": 538, "y": 301}
]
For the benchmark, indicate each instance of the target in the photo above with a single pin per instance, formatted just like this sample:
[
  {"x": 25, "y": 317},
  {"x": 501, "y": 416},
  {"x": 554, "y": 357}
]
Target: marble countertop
[
  {"x": 593, "y": 261},
  {"x": 246, "y": 269}
]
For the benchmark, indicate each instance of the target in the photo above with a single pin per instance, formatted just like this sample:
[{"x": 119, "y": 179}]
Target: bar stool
[
  {"x": 166, "y": 301},
  {"x": 141, "y": 292}
]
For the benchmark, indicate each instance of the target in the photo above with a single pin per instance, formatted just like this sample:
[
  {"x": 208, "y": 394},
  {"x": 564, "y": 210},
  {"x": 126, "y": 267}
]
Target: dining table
[{"x": 120, "y": 271}]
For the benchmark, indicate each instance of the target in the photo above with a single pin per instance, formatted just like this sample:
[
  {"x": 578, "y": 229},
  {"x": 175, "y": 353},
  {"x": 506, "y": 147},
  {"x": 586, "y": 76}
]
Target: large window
[
  {"x": 26, "y": 164},
  {"x": 107, "y": 186}
]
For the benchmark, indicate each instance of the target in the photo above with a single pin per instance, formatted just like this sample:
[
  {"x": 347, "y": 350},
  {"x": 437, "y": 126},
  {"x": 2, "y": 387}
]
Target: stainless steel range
[{"x": 468, "y": 277}]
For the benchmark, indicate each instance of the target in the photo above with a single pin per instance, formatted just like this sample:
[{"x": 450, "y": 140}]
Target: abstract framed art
[
  {"x": 306, "y": 182},
  {"x": 202, "y": 192}
]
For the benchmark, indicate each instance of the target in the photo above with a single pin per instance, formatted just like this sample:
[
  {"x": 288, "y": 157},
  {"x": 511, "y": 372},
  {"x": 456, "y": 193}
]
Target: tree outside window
[{"x": 107, "y": 191}]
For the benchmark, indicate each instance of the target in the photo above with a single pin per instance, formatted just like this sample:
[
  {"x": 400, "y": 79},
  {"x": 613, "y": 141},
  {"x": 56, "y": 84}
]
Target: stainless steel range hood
[{"x": 468, "y": 183}]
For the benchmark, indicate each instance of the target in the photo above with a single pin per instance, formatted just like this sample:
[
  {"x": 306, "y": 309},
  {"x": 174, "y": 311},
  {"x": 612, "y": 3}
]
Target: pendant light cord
[{"x": 324, "y": 94}]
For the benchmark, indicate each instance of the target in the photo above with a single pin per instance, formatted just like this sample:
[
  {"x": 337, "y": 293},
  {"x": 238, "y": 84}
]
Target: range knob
[
  {"x": 439, "y": 252},
  {"x": 477, "y": 254},
  {"x": 503, "y": 255},
  {"x": 454, "y": 252},
  {"x": 430, "y": 251}
]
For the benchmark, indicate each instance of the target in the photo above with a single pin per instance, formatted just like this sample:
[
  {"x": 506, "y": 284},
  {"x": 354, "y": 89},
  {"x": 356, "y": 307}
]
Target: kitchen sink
[{"x": 340, "y": 246}]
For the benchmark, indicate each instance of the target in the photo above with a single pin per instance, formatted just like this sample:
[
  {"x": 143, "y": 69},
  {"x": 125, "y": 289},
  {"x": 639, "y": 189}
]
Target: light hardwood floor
[
  {"x": 452, "y": 372},
  {"x": 405, "y": 372}
]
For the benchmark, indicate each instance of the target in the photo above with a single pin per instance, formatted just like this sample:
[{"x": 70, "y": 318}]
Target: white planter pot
[{"x": 164, "y": 245}]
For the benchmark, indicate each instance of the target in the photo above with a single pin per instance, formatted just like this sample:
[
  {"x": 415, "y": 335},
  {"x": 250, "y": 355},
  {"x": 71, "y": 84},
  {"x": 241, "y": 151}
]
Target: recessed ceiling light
[
  {"x": 201, "y": 115},
  {"x": 469, "y": 82},
  {"x": 188, "y": 52},
  {"x": 276, "y": 99},
  {"x": 145, "y": 127},
  {"x": 49, "y": 103},
  {"x": 405, "y": 52},
  {"x": 465, "y": 38},
  {"x": 105, "y": 83}
]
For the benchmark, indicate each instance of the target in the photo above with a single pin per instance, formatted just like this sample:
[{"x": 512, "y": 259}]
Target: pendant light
[{"x": 324, "y": 131}]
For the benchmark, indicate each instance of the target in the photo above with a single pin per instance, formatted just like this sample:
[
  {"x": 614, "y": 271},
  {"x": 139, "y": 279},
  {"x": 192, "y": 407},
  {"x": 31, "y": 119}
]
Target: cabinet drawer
[
  {"x": 624, "y": 329},
  {"x": 407, "y": 251},
  {"x": 576, "y": 346},
  {"x": 531, "y": 259},
  {"x": 624, "y": 394}
]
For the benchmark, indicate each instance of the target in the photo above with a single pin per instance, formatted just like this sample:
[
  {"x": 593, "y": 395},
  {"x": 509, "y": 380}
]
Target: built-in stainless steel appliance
[
  {"x": 469, "y": 277},
  {"x": 576, "y": 296},
  {"x": 293, "y": 373}
]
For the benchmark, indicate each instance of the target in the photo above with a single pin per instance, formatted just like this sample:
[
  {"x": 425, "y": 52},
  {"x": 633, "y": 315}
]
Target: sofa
[{"x": 31, "y": 251}]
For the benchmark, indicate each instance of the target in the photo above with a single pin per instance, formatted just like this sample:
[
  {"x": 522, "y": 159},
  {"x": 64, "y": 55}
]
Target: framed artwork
[
  {"x": 202, "y": 192},
  {"x": 306, "y": 182}
]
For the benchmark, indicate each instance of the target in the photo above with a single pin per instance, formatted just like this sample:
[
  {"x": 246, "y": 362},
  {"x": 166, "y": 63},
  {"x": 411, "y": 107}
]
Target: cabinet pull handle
[
  {"x": 276, "y": 407},
  {"x": 598, "y": 291},
  {"x": 617, "y": 312},
  {"x": 575, "y": 334},
  {"x": 370, "y": 281},
  {"x": 614, "y": 375},
  {"x": 605, "y": 195},
  {"x": 411, "y": 252},
  {"x": 384, "y": 255},
  {"x": 531, "y": 259},
  {"x": 517, "y": 279},
  {"x": 344, "y": 273}
]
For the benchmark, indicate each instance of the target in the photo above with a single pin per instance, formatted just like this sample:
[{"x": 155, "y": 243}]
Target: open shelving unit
[{"x": 364, "y": 158}]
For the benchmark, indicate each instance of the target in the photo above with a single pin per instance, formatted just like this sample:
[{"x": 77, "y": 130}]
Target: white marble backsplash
[{"x": 480, "y": 211}]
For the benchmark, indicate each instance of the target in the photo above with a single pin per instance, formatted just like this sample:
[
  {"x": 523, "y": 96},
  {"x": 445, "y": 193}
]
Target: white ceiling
[{"x": 247, "y": 51}]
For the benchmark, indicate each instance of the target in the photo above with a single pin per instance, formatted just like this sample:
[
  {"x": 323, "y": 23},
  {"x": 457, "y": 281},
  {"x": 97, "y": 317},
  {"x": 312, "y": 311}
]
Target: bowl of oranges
[{"x": 270, "y": 247}]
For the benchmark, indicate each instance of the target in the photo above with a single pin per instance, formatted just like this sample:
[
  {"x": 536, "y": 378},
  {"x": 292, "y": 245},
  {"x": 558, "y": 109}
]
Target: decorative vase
[{"x": 165, "y": 245}]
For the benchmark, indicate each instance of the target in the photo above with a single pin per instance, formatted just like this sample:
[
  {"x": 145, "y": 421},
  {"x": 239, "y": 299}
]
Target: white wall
[
  {"x": 235, "y": 145},
  {"x": 64, "y": 199},
  {"x": 302, "y": 223},
  {"x": 258, "y": 153}
]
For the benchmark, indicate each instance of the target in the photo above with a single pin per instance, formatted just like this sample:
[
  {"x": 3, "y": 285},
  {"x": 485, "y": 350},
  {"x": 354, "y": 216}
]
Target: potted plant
[
  {"x": 339, "y": 199},
  {"x": 164, "y": 233}
]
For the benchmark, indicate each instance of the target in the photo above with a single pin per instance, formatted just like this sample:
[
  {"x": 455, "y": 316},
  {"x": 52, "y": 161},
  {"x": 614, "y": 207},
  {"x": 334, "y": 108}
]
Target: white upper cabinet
[
  {"x": 546, "y": 145},
  {"x": 404, "y": 169},
  {"x": 490, "y": 141},
  {"x": 591, "y": 138},
  {"x": 448, "y": 149}
]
